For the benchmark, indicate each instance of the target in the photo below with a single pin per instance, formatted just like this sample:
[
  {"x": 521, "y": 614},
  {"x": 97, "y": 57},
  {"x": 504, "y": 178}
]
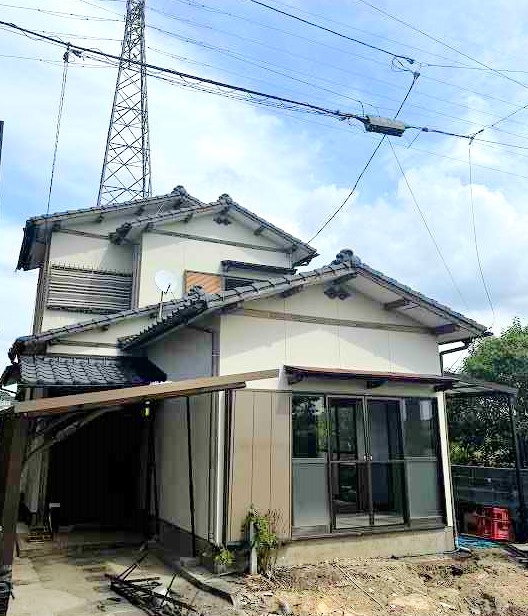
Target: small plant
[
  {"x": 265, "y": 539},
  {"x": 223, "y": 557}
]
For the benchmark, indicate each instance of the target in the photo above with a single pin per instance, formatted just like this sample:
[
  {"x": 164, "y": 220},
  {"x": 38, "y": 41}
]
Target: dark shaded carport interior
[{"x": 69, "y": 415}]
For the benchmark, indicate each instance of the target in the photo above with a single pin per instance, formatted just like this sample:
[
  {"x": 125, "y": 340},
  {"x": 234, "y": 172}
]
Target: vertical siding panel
[
  {"x": 241, "y": 461},
  {"x": 262, "y": 451},
  {"x": 281, "y": 460}
]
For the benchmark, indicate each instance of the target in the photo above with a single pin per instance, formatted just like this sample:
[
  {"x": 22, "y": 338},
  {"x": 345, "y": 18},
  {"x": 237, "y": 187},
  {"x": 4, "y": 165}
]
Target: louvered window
[{"x": 85, "y": 290}]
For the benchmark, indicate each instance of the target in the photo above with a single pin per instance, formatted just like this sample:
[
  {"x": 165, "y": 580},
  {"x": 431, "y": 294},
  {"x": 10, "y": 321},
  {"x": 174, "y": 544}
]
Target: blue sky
[{"x": 293, "y": 169}]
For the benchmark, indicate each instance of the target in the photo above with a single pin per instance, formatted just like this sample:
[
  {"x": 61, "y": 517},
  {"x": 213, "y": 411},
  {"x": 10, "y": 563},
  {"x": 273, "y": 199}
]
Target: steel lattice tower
[{"x": 126, "y": 167}]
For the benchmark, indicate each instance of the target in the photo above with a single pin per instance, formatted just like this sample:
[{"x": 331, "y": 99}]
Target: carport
[{"x": 67, "y": 415}]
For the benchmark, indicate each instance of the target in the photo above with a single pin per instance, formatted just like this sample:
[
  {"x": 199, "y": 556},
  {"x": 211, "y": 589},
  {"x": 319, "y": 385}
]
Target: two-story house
[{"x": 340, "y": 428}]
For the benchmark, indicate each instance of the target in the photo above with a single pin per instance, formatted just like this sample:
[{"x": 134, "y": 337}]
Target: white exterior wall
[
  {"x": 249, "y": 343},
  {"x": 85, "y": 252},
  {"x": 182, "y": 355},
  {"x": 177, "y": 254}
]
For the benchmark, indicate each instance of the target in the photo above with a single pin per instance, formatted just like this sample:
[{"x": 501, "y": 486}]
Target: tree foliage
[{"x": 480, "y": 429}]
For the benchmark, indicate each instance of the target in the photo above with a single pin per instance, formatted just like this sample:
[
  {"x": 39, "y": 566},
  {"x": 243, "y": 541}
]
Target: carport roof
[{"x": 130, "y": 395}]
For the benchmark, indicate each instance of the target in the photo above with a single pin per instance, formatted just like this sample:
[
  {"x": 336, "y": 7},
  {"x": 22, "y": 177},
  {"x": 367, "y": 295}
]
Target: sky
[{"x": 293, "y": 169}]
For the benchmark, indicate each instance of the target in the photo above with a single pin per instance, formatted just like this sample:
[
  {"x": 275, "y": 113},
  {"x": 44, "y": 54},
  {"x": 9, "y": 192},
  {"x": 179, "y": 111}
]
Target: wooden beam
[{"x": 397, "y": 303}]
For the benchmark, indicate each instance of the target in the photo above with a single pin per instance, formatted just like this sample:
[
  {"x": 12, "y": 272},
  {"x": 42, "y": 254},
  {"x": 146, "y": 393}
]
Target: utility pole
[{"x": 126, "y": 168}]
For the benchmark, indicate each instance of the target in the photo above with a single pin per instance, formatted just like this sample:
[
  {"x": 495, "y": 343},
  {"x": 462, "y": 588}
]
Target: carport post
[
  {"x": 190, "y": 469},
  {"x": 518, "y": 475},
  {"x": 13, "y": 437}
]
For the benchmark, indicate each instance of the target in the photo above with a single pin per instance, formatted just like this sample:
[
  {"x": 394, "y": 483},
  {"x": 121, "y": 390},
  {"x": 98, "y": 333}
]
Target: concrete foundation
[{"x": 407, "y": 543}]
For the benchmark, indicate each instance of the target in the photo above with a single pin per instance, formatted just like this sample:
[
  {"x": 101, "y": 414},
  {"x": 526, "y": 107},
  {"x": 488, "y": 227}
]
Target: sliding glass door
[
  {"x": 364, "y": 462},
  {"x": 351, "y": 499}
]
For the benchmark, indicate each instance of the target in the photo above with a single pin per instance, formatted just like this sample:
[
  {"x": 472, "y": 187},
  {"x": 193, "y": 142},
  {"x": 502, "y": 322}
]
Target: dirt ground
[{"x": 488, "y": 583}]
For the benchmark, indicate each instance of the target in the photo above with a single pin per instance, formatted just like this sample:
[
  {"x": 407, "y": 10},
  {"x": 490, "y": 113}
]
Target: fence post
[{"x": 518, "y": 475}]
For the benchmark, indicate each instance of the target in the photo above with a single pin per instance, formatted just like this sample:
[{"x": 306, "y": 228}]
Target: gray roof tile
[{"x": 75, "y": 371}]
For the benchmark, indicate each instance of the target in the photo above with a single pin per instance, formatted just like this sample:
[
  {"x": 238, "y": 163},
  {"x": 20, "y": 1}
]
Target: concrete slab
[{"x": 74, "y": 584}]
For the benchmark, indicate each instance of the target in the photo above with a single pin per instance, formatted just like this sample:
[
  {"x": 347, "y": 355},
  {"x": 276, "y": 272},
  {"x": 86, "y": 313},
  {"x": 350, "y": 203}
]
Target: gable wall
[
  {"x": 82, "y": 252},
  {"x": 176, "y": 254},
  {"x": 251, "y": 343}
]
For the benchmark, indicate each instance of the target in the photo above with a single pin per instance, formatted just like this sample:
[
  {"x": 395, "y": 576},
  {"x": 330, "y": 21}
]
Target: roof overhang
[
  {"x": 372, "y": 379},
  {"x": 131, "y": 395},
  {"x": 143, "y": 214},
  {"x": 467, "y": 386},
  {"x": 73, "y": 371}
]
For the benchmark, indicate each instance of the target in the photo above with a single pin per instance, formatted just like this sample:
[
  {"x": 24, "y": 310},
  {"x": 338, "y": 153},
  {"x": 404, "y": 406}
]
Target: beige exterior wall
[
  {"x": 177, "y": 254},
  {"x": 260, "y": 465}
]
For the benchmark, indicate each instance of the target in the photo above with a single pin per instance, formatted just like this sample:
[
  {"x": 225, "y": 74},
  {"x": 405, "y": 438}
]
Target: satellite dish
[{"x": 164, "y": 281}]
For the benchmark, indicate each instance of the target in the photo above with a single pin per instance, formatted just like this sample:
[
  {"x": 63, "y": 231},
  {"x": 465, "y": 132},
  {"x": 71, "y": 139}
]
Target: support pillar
[
  {"x": 518, "y": 474},
  {"x": 13, "y": 438}
]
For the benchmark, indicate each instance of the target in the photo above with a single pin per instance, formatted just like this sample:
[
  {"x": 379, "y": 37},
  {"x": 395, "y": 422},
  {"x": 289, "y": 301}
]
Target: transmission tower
[{"x": 126, "y": 167}]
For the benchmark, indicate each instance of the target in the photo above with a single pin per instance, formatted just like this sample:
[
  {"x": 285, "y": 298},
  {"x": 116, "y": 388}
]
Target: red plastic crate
[
  {"x": 497, "y": 513},
  {"x": 500, "y": 531}
]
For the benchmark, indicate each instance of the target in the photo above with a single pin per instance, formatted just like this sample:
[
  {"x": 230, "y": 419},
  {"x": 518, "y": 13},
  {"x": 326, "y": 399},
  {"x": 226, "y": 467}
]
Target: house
[{"x": 317, "y": 394}]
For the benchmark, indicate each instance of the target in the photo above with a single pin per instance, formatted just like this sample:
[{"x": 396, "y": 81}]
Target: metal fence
[{"x": 483, "y": 485}]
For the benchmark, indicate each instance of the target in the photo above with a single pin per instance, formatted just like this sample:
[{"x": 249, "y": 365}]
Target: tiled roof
[
  {"x": 22, "y": 343},
  {"x": 194, "y": 304},
  {"x": 174, "y": 205},
  {"x": 74, "y": 371},
  {"x": 346, "y": 263}
]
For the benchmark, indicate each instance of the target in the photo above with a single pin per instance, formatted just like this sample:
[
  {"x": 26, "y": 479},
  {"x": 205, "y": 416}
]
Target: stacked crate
[{"x": 495, "y": 523}]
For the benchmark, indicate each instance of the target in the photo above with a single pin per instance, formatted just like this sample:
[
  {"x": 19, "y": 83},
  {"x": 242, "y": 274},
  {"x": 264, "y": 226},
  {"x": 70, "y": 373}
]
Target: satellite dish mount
[{"x": 165, "y": 283}]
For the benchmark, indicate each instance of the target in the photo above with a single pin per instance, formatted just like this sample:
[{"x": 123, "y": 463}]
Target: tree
[{"x": 479, "y": 427}]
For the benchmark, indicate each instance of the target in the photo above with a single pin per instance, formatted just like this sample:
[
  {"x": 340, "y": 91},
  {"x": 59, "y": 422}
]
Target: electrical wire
[
  {"x": 443, "y": 43},
  {"x": 57, "y": 13},
  {"x": 241, "y": 93},
  {"x": 372, "y": 79},
  {"x": 364, "y": 170},
  {"x": 475, "y": 239},
  {"x": 66, "y": 58},
  {"x": 424, "y": 220},
  {"x": 335, "y": 32}
]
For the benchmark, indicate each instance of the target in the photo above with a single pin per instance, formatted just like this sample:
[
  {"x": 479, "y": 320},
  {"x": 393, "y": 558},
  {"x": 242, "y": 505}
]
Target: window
[
  {"x": 86, "y": 290},
  {"x": 362, "y": 462}
]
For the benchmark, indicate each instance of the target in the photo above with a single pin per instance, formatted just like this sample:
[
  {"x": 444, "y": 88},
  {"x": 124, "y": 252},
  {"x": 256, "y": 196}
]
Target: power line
[
  {"x": 254, "y": 41},
  {"x": 185, "y": 76},
  {"x": 424, "y": 220},
  {"x": 335, "y": 32},
  {"x": 475, "y": 239},
  {"x": 443, "y": 43},
  {"x": 364, "y": 170},
  {"x": 218, "y": 87},
  {"x": 62, "y": 14},
  {"x": 59, "y": 118}
]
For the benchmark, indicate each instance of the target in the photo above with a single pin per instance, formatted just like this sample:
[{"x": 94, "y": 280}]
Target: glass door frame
[
  {"x": 366, "y": 462},
  {"x": 408, "y": 522}
]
